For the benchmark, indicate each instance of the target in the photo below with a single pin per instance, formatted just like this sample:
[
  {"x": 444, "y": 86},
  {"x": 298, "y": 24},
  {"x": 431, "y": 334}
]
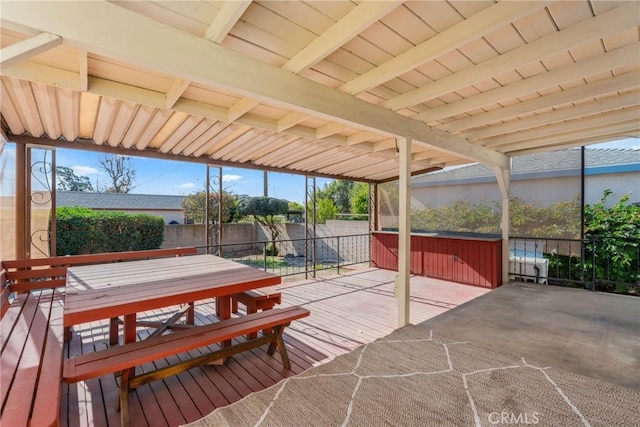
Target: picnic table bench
[
  {"x": 126, "y": 357},
  {"x": 254, "y": 300},
  {"x": 31, "y": 358},
  {"x": 32, "y": 332}
]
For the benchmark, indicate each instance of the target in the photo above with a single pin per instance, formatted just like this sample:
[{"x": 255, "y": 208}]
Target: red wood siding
[
  {"x": 386, "y": 249},
  {"x": 470, "y": 261}
]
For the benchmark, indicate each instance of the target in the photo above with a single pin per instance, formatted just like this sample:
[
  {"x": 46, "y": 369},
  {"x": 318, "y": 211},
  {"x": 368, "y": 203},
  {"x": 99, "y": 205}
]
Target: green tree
[
  {"x": 325, "y": 209},
  {"x": 615, "y": 232},
  {"x": 360, "y": 198},
  {"x": 194, "y": 206},
  {"x": 296, "y": 207},
  {"x": 120, "y": 171},
  {"x": 266, "y": 211},
  {"x": 69, "y": 181},
  {"x": 339, "y": 192}
]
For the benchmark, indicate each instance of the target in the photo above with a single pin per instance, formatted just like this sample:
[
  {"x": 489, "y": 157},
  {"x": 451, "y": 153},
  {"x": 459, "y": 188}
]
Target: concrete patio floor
[{"x": 588, "y": 333}]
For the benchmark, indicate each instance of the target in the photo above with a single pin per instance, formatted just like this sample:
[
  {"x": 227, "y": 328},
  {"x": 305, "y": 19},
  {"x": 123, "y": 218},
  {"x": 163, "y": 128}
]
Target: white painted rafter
[
  {"x": 27, "y": 48},
  {"x": 178, "y": 86},
  {"x": 575, "y": 139},
  {"x": 611, "y": 22},
  {"x": 354, "y": 22},
  {"x": 621, "y": 57},
  {"x": 184, "y": 56},
  {"x": 591, "y": 122},
  {"x": 290, "y": 120},
  {"x": 569, "y": 113},
  {"x": 622, "y": 82},
  {"x": 83, "y": 66},
  {"x": 458, "y": 35},
  {"x": 229, "y": 14}
]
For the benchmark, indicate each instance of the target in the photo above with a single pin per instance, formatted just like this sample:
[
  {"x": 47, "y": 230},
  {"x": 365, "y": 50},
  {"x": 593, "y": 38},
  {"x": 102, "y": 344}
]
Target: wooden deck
[{"x": 346, "y": 311}]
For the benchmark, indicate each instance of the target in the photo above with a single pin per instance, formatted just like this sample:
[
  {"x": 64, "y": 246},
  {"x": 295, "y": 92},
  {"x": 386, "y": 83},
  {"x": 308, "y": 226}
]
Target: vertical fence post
[
  {"x": 593, "y": 263},
  {"x": 338, "y": 245},
  {"x": 264, "y": 257}
]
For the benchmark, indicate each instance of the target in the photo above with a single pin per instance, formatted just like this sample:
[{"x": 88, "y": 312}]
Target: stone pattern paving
[{"x": 412, "y": 377}]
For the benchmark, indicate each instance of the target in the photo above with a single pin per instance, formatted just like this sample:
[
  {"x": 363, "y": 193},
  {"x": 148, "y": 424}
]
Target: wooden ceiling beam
[
  {"x": 83, "y": 65},
  {"x": 555, "y": 141},
  {"x": 290, "y": 120},
  {"x": 89, "y": 145},
  {"x": 227, "y": 16},
  {"x": 358, "y": 19},
  {"x": 564, "y": 127},
  {"x": 25, "y": 49},
  {"x": 615, "y": 135},
  {"x": 109, "y": 30},
  {"x": 598, "y": 27},
  {"x": 572, "y": 112},
  {"x": 603, "y": 87},
  {"x": 177, "y": 88},
  {"x": 107, "y": 88},
  {"x": 473, "y": 28}
]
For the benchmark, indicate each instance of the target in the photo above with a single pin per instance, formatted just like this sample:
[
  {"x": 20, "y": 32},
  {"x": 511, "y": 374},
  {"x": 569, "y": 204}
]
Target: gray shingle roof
[
  {"x": 542, "y": 162},
  {"x": 118, "y": 201}
]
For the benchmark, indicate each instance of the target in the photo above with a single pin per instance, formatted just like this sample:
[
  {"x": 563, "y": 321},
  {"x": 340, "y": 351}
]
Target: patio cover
[{"x": 321, "y": 87}]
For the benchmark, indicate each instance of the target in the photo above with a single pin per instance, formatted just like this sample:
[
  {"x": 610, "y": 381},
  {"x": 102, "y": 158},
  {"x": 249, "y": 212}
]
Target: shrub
[{"x": 83, "y": 231}]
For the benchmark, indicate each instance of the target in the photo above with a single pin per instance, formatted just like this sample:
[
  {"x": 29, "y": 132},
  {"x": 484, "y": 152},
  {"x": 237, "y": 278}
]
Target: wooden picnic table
[{"x": 106, "y": 291}]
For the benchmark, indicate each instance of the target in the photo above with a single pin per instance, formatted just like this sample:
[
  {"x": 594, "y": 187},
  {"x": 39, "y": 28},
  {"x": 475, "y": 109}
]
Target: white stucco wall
[{"x": 542, "y": 190}]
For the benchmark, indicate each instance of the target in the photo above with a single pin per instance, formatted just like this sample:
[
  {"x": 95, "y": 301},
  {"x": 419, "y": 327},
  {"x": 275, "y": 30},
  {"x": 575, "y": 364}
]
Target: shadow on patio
[{"x": 347, "y": 311}]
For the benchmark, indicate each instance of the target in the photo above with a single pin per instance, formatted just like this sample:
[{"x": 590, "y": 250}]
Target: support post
[
  {"x": 403, "y": 288},
  {"x": 504, "y": 177}
]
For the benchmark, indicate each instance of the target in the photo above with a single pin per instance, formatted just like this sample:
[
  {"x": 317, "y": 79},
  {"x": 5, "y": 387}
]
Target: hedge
[{"x": 83, "y": 231}]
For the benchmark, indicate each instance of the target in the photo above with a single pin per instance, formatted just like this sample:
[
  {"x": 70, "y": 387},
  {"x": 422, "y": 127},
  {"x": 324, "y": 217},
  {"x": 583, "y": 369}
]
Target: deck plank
[{"x": 347, "y": 311}]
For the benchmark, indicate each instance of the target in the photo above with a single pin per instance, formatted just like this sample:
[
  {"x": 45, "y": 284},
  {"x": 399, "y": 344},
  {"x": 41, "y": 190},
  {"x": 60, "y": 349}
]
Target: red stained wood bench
[
  {"x": 254, "y": 300},
  {"x": 126, "y": 357},
  {"x": 31, "y": 358},
  {"x": 25, "y": 275}
]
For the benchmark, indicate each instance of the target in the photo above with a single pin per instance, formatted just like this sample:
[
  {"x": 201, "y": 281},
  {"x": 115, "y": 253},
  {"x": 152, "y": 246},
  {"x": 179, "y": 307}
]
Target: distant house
[
  {"x": 545, "y": 178},
  {"x": 168, "y": 207}
]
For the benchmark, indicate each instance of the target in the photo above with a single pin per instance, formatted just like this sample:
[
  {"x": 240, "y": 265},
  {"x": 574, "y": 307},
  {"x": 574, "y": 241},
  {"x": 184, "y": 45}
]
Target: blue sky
[{"x": 180, "y": 178}]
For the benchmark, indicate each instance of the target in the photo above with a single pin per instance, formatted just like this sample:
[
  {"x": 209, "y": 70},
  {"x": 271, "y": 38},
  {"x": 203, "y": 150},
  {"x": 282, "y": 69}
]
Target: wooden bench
[
  {"x": 26, "y": 275},
  {"x": 31, "y": 359},
  {"x": 254, "y": 300},
  {"x": 126, "y": 357}
]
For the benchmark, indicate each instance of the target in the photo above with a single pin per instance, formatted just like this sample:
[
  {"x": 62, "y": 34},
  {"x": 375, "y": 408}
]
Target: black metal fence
[
  {"x": 602, "y": 263},
  {"x": 306, "y": 257}
]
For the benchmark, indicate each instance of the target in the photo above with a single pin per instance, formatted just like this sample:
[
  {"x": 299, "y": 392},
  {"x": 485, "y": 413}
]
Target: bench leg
[
  {"x": 191, "y": 314},
  {"x": 223, "y": 309},
  {"x": 234, "y": 305},
  {"x": 279, "y": 342},
  {"x": 252, "y": 308},
  {"x": 122, "y": 404},
  {"x": 113, "y": 331}
]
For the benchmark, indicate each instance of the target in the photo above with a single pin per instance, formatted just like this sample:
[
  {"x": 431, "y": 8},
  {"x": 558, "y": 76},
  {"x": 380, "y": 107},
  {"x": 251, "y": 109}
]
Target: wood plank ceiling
[{"x": 321, "y": 87}]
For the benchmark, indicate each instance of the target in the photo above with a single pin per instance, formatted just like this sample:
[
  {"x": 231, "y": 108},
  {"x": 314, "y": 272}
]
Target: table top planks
[{"x": 102, "y": 291}]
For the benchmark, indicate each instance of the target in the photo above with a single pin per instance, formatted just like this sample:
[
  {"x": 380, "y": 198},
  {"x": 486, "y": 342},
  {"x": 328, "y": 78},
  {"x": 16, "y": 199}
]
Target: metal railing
[
  {"x": 602, "y": 263},
  {"x": 289, "y": 257}
]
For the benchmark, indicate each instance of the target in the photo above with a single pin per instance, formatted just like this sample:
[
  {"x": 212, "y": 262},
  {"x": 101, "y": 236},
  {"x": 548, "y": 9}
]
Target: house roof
[
  {"x": 541, "y": 164},
  {"x": 126, "y": 201},
  {"x": 321, "y": 88}
]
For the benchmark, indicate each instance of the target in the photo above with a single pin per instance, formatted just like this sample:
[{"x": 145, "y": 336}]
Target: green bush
[{"x": 83, "y": 231}]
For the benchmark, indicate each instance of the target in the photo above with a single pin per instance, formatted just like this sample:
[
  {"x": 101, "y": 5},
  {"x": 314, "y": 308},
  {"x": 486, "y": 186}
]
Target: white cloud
[
  {"x": 186, "y": 185},
  {"x": 230, "y": 177},
  {"x": 85, "y": 170}
]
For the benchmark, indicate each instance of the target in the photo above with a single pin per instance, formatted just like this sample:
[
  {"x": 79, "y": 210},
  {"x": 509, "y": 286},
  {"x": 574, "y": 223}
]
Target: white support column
[
  {"x": 403, "y": 289},
  {"x": 504, "y": 178}
]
